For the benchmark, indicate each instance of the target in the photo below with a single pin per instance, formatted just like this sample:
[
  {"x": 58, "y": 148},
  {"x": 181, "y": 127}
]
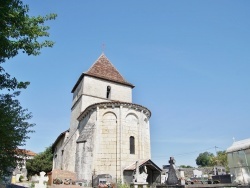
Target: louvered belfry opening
[{"x": 108, "y": 92}]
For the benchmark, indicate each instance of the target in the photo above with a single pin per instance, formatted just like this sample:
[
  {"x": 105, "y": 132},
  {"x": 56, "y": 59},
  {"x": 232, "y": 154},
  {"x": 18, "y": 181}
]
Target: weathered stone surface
[
  {"x": 172, "y": 177},
  {"x": 100, "y": 130},
  {"x": 61, "y": 175}
]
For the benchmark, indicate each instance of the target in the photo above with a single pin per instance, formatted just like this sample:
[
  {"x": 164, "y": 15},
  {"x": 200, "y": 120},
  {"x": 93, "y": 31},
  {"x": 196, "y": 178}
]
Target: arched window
[
  {"x": 108, "y": 92},
  {"x": 132, "y": 144}
]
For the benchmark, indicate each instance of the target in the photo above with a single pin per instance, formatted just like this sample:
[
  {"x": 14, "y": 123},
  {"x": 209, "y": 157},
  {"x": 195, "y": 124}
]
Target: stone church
[{"x": 108, "y": 133}]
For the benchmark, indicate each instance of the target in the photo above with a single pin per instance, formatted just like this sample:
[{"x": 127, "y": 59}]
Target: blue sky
[{"x": 189, "y": 61}]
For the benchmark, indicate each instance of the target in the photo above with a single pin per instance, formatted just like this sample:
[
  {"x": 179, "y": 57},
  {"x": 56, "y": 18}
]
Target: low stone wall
[{"x": 61, "y": 175}]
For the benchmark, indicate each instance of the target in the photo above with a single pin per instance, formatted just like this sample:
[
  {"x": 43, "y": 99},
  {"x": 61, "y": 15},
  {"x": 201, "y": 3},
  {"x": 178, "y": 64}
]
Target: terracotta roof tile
[
  {"x": 104, "y": 69},
  {"x": 146, "y": 162},
  {"x": 26, "y": 152}
]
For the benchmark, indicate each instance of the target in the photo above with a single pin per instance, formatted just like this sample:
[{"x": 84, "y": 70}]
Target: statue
[{"x": 140, "y": 177}]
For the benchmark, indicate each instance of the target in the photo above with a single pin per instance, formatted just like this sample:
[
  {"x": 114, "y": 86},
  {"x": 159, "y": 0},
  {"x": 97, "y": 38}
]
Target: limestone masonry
[{"x": 107, "y": 131}]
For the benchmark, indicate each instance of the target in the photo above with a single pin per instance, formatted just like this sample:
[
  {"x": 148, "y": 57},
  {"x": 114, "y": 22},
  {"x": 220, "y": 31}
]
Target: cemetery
[
  {"x": 108, "y": 143},
  {"x": 190, "y": 60}
]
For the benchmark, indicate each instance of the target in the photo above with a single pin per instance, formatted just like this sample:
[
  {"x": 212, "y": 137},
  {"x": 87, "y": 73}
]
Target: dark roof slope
[
  {"x": 104, "y": 69},
  {"x": 145, "y": 162}
]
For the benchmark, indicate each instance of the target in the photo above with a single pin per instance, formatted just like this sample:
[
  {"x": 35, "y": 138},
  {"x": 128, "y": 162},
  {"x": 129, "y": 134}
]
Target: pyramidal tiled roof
[{"x": 104, "y": 69}]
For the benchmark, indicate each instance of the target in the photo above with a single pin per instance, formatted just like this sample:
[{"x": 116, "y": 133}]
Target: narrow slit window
[
  {"x": 132, "y": 144},
  {"x": 108, "y": 92}
]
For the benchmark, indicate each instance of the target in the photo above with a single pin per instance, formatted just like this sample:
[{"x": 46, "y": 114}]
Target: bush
[{"x": 21, "y": 178}]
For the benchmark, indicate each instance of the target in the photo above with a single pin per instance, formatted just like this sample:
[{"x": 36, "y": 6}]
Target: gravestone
[
  {"x": 140, "y": 179},
  {"x": 182, "y": 177},
  {"x": 172, "y": 177},
  {"x": 42, "y": 180},
  {"x": 35, "y": 178},
  {"x": 24, "y": 174}
]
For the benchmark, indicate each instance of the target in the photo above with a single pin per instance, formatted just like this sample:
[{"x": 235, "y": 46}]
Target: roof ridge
[
  {"x": 113, "y": 66},
  {"x": 95, "y": 62}
]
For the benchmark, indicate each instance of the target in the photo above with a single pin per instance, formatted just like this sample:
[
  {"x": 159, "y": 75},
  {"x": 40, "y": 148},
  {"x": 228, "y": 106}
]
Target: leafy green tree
[
  {"x": 19, "y": 32},
  {"x": 14, "y": 128},
  {"x": 185, "y": 166},
  {"x": 221, "y": 159},
  {"x": 205, "y": 159},
  {"x": 41, "y": 162}
]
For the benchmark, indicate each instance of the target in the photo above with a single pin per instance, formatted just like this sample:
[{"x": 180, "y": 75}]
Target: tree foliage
[
  {"x": 220, "y": 159},
  {"x": 185, "y": 166},
  {"x": 208, "y": 159},
  {"x": 19, "y": 32},
  {"x": 41, "y": 162},
  {"x": 14, "y": 129},
  {"x": 205, "y": 159}
]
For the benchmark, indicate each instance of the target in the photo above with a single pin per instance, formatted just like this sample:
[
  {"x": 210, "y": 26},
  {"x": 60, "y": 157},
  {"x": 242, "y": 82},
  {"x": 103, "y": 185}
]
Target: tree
[
  {"x": 13, "y": 130},
  {"x": 41, "y": 162},
  {"x": 19, "y": 32},
  {"x": 205, "y": 159},
  {"x": 221, "y": 159},
  {"x": 185, "y": 166}
]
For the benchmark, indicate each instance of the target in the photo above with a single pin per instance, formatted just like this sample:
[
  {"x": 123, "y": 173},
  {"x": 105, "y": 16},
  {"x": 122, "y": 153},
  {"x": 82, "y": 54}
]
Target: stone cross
[
  {"x": 172, "y": 178},
  {"x": 41, "y": 180},
  {"x": 135, "y": 178},
  {"x": 171, "y": 161}
]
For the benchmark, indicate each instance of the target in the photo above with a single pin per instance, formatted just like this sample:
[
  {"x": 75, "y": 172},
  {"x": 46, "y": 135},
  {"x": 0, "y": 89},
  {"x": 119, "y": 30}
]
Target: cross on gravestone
[
  {"x": 41, "y": 181},
  {"x": 172, "y": 177},
  {"x": 171, "y": 161}
]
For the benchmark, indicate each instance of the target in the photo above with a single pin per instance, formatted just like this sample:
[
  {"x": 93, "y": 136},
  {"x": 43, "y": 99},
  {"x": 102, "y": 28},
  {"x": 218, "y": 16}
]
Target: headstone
[
  {"x": 24, "y": 173},
  {"x": 35, "y": 178},
  {"x": 172, "y": 177},
  {"x": 41, "y": 181},
  {"x": 140, "y": 177},
  {"x": 182, "y": 177},
  {"x": 197, "y": 173}
]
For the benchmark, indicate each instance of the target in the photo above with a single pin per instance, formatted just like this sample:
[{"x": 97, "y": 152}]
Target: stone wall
[
  {"x": 100, "y": 141},
  {"x": 62, "y": 175},
  {"x": 98, "y": 88},
  {"x": 85, "y": 147},
  {"x": 116, "y": 126}
]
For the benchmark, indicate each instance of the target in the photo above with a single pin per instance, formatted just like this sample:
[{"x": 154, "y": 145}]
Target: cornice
[{"x": 92, "y": 107}]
